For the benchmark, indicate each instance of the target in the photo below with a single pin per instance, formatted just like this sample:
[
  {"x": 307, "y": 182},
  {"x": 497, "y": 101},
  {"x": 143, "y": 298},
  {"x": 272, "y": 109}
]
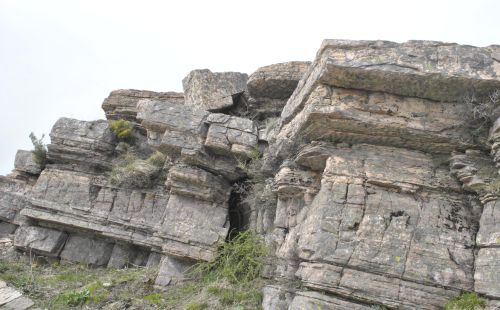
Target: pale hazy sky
[{"x": 62, "y": 58}]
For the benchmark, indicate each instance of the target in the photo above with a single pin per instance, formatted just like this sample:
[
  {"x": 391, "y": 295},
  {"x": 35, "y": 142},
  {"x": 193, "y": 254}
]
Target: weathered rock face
[
  {"x": 382, "y": 183},
  {"x": 398, "y": 230},
  {"x": 387, "y": 223}
]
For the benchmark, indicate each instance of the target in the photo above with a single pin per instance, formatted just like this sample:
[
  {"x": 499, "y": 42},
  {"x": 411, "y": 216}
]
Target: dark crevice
[{"x": 239, "y": 214}]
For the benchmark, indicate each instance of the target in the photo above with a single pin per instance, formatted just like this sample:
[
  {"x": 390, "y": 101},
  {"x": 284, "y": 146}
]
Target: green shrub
[
  {"x": 240, "y": 260},
  {"x": 39, "y": 150},
  {"x": 466, "y": 301},
  {"x": 122, "y": 129}
]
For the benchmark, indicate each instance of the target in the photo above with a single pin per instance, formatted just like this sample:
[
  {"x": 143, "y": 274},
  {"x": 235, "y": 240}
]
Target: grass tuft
[{"x": 466, "y": 301}]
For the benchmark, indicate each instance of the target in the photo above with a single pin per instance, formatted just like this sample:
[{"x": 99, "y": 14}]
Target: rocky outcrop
[
  {"x": 390, "y": 224},
  {"x": 379, "y": 184}
]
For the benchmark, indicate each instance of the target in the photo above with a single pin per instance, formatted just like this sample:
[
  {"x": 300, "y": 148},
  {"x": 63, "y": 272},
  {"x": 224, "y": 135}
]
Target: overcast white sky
[{"x": 62, "y": 58}]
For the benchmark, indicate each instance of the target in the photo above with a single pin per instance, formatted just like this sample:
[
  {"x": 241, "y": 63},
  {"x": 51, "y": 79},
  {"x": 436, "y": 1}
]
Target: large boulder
[{"x": 213, "y": 91}]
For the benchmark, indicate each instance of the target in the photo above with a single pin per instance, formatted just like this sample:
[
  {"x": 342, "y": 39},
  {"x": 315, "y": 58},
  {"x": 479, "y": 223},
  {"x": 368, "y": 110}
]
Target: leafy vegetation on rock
[
  {"x": 131, "y": 171},
  {"x": 239, "y": 261},
  {"x": 123, "y": 129},
  {"x": 39, "y": 150}
]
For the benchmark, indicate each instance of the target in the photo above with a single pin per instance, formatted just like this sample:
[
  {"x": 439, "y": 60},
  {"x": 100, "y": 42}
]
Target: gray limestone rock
[{"x": 213, "y": 91}]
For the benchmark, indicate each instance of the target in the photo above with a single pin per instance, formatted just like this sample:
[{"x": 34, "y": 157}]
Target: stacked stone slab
[{"x": 122, "y": 103}]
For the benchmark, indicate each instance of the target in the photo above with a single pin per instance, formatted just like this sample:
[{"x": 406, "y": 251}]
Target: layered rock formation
[{"x": 381, "y": 189}]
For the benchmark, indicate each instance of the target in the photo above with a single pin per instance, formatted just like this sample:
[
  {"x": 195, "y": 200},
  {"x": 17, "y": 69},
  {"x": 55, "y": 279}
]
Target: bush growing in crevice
[
  {"x": 240, "y": 260},
  {"x": 122, "y": 129},
  {"x": 466, "y": 301},
  {"x": 482, "y": 108},
  {"x": 39, "y": 150},
  {"x": 131, "y": 171},
  {"x": 256, "y": 190},
  {"x": 231, "y": 279}
]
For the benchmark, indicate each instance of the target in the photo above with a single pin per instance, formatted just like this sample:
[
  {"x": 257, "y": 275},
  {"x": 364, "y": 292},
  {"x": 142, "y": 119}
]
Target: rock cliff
[{"x": 378, "y": 177}]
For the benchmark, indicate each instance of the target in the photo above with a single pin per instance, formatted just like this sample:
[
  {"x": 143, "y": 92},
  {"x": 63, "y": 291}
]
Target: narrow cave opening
[{"x": 239, "y": 212}]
